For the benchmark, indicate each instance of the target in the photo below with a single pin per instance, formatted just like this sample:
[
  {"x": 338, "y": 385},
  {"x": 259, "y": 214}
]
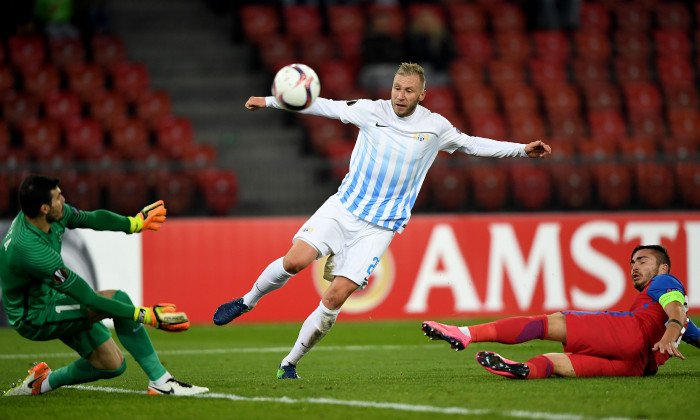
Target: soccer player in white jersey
[{"x": 397, "y": 143}]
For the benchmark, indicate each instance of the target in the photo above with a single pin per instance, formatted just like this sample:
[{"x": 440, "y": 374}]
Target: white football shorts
[{"x": 354, "y": 246}]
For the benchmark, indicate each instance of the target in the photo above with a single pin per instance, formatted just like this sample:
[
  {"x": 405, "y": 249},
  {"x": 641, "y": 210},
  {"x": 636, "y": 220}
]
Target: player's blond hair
[{"x": 412, "y": 69}]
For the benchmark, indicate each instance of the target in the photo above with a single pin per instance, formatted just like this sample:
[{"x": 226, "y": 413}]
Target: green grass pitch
[{"x": 360, "y": 370}]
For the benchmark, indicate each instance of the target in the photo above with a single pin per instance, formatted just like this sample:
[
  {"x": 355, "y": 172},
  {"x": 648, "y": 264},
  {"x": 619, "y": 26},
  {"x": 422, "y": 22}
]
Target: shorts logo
[
  {"x": 60, "y": 275},
  {"x": 307, "y": 230}
]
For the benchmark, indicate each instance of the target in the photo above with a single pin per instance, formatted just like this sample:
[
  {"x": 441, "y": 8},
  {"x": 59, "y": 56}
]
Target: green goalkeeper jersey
[{"x": 32, "y": 272}]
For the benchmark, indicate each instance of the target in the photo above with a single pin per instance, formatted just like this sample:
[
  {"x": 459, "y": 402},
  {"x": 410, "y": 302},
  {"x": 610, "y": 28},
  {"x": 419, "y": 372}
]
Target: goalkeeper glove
[
  {"x": 163, "y": 317},
  {"x": 150, "y": 217}
]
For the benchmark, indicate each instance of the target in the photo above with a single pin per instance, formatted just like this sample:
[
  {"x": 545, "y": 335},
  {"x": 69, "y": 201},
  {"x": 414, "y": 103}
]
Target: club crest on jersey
[
  {"x": 421, "y": 137},
  {"x": 60, "y": 275}
]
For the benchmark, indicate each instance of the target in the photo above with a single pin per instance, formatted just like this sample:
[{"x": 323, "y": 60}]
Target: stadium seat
[
  {"x": 322, "y": 131},
  {"x": 526, "y": 126},
  {"x": 641, "y": 97},
  {"x": 478, "y": 99},
  {"x": 594, "y": 16},
  {"x": 592, "y": 45},
  {"x": 344, "y": 19},
  {"x": 571, "y": 185},
  {"x": 81, "y": 189},
  {"x": 601, "y": 96},
  {"x": 85, "y": 138},
  {"x": 18, "y": 106},
  {"x": 339, "y": 151},
  {"x": 688, "y": 178},
  {"x": 638, "y": 148},
  {"x": 489, "y": 125},
  {"x": 613, "y": 184},
  {"x": 129, "y": 137},
  {"x": 513, "y": 46},
  {"x": 441, "y": 99},
  {"x": 220, "y": 189},
  {"x": 393, "y": 14},
  {"x": 85, "y": 79},
  {"x": 631, "y": 70},
  {"x": 62, "y": 105},
  {"x": 518, "y": 98},
  {"x": 174, "y": 135},
  {"x": 684, "y": 123},
  {"x": 449, "y": 187},
  {"x": 200, "y": 156},
  {"x": 465, "y": 73},
  {"x": 586, "y": 71},
  {"x": 504, "y": 72},
  {"x": 672, "y": 42},
  {"x": 490, "y": 187},
  {"x": 153, "y": 105},
  {"x": 552, "y": 45},
  {"x": 5, "y": 195},
  {"x": 276, "y": 52},
  {"x": 60, "y": 161},
  {"x": 531, "y": 186},
  {"x": 130, "y": 79},
  {"x": 7, "y": 79},
  {"x": 675, "y": 71},
  {"x": 566, "y": 125},
  {"x": 302, "y": 21},
  {"x": 681, "y": 149},
  {"x": 106, "y": 106},
  {"x": 680, "y": 97},
  {"x": 336, "y": 76},
  {"x": 349, "y": 47},
  {"x": 126, "y": 192},
  {"x": 466, "y": 17},
  {"x": 598, "y": 150},
  {"x": 26, "y": 51},
  {"x": 317, "y": 49},
  {"x": 607, "y": 125},
  {"x": 632, "y": 16},
  {"x": 560, "y": 98},
  {"x": 40, "y": 137},
  {"x": 632, "y": 44},
  {"x": 655, "y": 185},
  {"x": 473, "y": 46},
  {"x": 5, "y": 141},
  {"x": 646, "y": 124},
  {"x": 543, "y": 72},
  {"x": 672, "y": 15},
  {"x": 107, "y": 50},
  {"x": 508, "y": 17},
  {"x": 41, "y": 79},
  {"x": 65, "y": 51},
  {"x": 413, "y": 10},
  {"x": 177, "y": 189},
  {"x": 259, "y": 21}
]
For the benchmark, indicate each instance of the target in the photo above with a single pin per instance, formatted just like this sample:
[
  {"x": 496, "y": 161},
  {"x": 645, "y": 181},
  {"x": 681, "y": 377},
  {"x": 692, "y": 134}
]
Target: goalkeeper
[{"x": 45, "y": 300}]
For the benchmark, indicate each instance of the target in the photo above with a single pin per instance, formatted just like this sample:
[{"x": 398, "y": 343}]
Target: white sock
[
  {"x": 162, "y": 380},
  {"x": 312, "y": 331},
  {"x": 271, "y": 279},
  {"x": 465, "y": 331},
  {"x": 45, "y": 386}
]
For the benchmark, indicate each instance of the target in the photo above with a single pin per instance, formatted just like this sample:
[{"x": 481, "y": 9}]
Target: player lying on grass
[
  {"x": 633, "y": 343},
  {"x": 397, "y": 143},
  {"x": 45, "y": 300}
]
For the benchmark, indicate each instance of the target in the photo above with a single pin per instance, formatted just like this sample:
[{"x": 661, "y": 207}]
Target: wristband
[{"x": 677, "y": 322}]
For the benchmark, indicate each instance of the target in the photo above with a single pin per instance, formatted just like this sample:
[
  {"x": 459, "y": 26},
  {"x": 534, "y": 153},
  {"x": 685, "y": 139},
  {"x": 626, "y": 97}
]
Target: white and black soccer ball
[{"x": 296, "y": 87}]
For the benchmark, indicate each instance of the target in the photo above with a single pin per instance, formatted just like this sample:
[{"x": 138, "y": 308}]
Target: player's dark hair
[
  {"x": 34, "y": 192},
  {"x": 660, "y": 253}
]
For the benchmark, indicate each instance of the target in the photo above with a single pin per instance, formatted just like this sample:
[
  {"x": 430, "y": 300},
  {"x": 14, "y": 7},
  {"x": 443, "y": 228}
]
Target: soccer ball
[{"x": 296, "y": 87}]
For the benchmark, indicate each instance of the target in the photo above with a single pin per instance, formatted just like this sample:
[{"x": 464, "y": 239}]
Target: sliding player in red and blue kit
[{"x": 633, "y": 343}]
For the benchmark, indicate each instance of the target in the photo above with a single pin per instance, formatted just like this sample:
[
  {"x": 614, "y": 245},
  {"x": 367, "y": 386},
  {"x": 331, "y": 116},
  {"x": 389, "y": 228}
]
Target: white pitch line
[
  {"x": 371, "y": 404},
  {"x": 185, "y": 352}
]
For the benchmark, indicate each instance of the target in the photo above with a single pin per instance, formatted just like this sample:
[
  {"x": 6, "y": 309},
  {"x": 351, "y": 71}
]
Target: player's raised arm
[{"x": 255, "y": 102}]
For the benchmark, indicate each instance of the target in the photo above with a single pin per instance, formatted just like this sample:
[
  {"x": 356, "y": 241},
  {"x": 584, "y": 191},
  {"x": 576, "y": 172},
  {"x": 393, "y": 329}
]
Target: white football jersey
[{"x": 392, "y": 155}]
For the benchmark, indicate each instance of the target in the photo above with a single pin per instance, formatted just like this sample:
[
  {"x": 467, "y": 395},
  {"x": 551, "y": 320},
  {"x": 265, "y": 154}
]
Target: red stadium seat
[
  {"x": 513, "y": 46},
  {"x": 130, "y": 78},
  {"x": 85, "y": 138},
  {"x": 107, "y": 50},
  {"x": 85, "y": 79},
  {"x": 552, "y": 45},
  {"x": 41, "y": 79},
  {"x": 503, "y": 72},
  {"x": 5, "y": 194},
  {"x": 519, "y": 98},
  {"x": 466, "y": 17},
  {"x": 673, "y": 15},
  {"x": 129, "y": 137},
  {"x": 601, "y": 96},
  {"x": 464, "y": 73},
  {"x": 177, "y": 190},
  {"x": 566, "y": 125},
  {"x": 688, "y": 176},
  {"x": 7, "y": 79},
  {"x": 323, "y": 131},
  {"x": 107, "y": 106},
  {"x": 572, "y": 185},
  {"x": 647, "y": 124},
  {"x": 62, "y": 105},
  {"x": 638, "y": 148},
  {"x": 545, "y": 72},
  {"x": 490, "y": 187},
  {"x": 592, "y": 45},
  {"x": 18, "y": 106},
  {"x": 684, "y": 149},
  {"x": 4, "y": 138},
  {"x": 478, "y": 99},
  {"x": 684, "y": 123},
  {"x": 680, "y": 97},
  {"x": 317, "y": 49},
  {"x": 489, "y": 125},
  {"x": 449, "y": 187},
  {"x": 393, "y": 15},
  {"x": 632, "y": 44},
  {"x": 586, "y": 71},
  {"x": 531, "y": 185},
  {"x": 560, "y": 98},
  {"x": 598, "y": 150},
  {"x": 413, "y": 10},
  {"x": 336, "y": 76},
  {"x": 594, "y": 16},
  {"x": 65, "y": 51},
  {"x": 655, "y": 185},
  {"x": 26, "y": 51},
  {"x": 81, "y": 189},
  {"x": 127, "y": 192},
  {"x": 672, "y": 42},
  {"x": 641, "y": 97},
  {"x": 40, "y": 137},
  {"x": 220, "y": 189},
  {"x": 631, "y": 70},
  {"x": 508, "y": 17},
  {"x": 606, "y": 125},
  {"x": 259, "y": 21},
  {"x": 473, "y": 46},
  {"x": 174, "y": 135},
  {"x": 346, "y": 19},
  {"x": 153, "y": 105},
  {"x": 613, "y": 185},
  {"x": 349, "y": 47},
  {"x": 441, "y": 100},
  {"x": 526, "y": 126},
  {"x": 675, "y": 71},
  {"x": 632, "y": 16},
  {"x": 302, "y": 21},
  {"x": 277, "y": 51},
  {"x": 200, "y": 156}
]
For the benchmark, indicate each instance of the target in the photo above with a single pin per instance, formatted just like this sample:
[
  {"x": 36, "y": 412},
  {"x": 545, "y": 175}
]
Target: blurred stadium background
[{"x": 128, "y": 101}]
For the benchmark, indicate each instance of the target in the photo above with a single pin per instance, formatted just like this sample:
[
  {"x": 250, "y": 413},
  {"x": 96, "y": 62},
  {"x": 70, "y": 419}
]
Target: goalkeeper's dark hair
[
  {"x": 34, "y": 192},
  {"x": 660, "y": 253}
]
